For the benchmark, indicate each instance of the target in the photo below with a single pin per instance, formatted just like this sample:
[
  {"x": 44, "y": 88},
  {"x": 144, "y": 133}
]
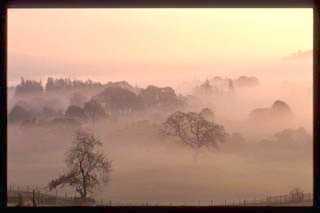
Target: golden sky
[{"x": 157, "y": 39}]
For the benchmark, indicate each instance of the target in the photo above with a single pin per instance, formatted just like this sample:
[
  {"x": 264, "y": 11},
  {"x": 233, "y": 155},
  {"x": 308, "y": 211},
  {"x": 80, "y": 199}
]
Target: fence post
[
  {"x": 56, "y": 196},
  {"x": 211, "y": 202},
  {"x": 34, "y": 198},
  {"x": 39, "y": 197}
]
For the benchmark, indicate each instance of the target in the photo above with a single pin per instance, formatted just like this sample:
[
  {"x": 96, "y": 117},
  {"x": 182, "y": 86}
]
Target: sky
[{"x": 152, "y": 45}]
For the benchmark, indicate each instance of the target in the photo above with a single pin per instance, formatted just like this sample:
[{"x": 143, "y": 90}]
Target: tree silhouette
[
  {"x": 194, "y": 130},
  {"x": 94, "y": 110},
  {"x": 87, "y": 166},
  {"x": 118, "y": 100},
  {"x": 19, "y": 113},
  {"x": 157, "y": 96},
  {"x": 28, "y": 86},
  {"x": 75, "y": 112}
]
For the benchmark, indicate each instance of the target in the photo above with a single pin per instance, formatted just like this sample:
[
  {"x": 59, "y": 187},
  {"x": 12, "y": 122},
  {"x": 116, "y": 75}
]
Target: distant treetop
[{"x": 28, "y": 86}]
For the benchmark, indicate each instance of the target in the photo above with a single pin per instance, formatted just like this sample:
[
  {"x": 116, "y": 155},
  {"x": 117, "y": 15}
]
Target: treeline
[
  {"x": 52, "y": 84},
  {"x": 114, "y": 99},
  {"x": 219, "y": 85},
  {"x": 28, "y": 86}
]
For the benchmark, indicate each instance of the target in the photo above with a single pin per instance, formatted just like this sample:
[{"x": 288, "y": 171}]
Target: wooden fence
[{"x": 40, "y": 196}]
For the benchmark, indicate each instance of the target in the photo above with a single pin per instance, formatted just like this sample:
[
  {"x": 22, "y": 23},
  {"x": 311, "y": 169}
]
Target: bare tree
[
  {"x": 194, "y": 130},
  {"x": 87, "y": 165}
]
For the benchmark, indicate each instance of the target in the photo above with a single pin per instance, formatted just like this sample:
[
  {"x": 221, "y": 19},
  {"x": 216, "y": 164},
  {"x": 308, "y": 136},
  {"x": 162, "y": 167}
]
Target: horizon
[{"x": 155, "y": 45}]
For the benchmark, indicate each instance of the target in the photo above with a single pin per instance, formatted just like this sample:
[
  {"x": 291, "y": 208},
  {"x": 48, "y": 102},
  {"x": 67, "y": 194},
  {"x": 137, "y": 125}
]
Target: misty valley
[{"x": 220, "y": 139}]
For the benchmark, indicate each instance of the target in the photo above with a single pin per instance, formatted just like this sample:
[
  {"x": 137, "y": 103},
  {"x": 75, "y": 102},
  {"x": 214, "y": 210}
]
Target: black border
[
  {"x": 5, "y": 4},
  {"x": 3, "y": 105},
  {"x": 316, "y": 106}
]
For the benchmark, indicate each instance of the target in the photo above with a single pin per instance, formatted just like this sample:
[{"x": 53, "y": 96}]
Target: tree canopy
[
  {"x": 87, "y": 166},
  {"x": 194, "y": 130}
]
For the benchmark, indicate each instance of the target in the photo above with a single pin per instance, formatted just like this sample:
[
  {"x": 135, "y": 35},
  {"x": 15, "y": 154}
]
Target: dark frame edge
[
  {"x": 160, "y": 4},
  {"x": 37, "y": 4},
  {"x": 3, "y": 104},
  {"x": 316, "y": 106}
]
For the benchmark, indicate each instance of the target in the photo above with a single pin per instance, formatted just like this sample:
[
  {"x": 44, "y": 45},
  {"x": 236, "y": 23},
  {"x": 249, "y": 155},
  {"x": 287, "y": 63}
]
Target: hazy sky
[{"x": 158, "y": 44}]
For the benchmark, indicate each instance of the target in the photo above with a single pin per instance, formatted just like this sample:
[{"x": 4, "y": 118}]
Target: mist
[
  {"x": 248, "y": 83},
  {"x": 142, "y": 159}
]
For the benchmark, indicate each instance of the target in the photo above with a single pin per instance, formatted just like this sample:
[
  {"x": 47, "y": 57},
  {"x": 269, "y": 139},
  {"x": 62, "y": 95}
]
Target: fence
[
  {"x": 283, "y": 200},
  {"x": 287, "y": 199},
  {"x": 41, "y": 196}
]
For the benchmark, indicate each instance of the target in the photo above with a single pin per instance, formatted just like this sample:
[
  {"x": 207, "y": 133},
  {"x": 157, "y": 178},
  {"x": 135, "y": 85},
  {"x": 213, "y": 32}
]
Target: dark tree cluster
[
  {"x": 75, "y": 112},
  {"x": 28, "y": 86},
  {"x": 278, "y": 110},
  {"x": 78, "y": 99},
  {"x": 215, "y": 86},
  {"x": 68, "y": 84},
  {"x": 19, "y": 114},
  {"x": 62, "y": 84},
  {"x": 118, "y": 100},
  {"x": 123, "y": 85},
  {"x": 92, "y": 110},
  {"x": 160, "y": 97},
  {"x": 247, "y": 81},
  {"x": 194, "y": 130},
  {"x": 219, "y": 85},
  {"x": 298, "y": 135}
]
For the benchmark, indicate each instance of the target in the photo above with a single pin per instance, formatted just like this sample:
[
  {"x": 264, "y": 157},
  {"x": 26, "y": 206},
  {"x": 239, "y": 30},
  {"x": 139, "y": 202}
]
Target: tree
[
  {"x": 28, "y": 87},
  {"x": 77, "y": 99},
  {"x": 194, "y": 130},
  {"x": 156, "y": 96},
  {"x": 75, "y": 112},
  {"x": 87, "y": 166},
  {"x": 206, "y": 87},
  {"x": 19, "y": 113},
  {"x": 118, "y": 100},
  {"x": 94, "y": 110}
]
